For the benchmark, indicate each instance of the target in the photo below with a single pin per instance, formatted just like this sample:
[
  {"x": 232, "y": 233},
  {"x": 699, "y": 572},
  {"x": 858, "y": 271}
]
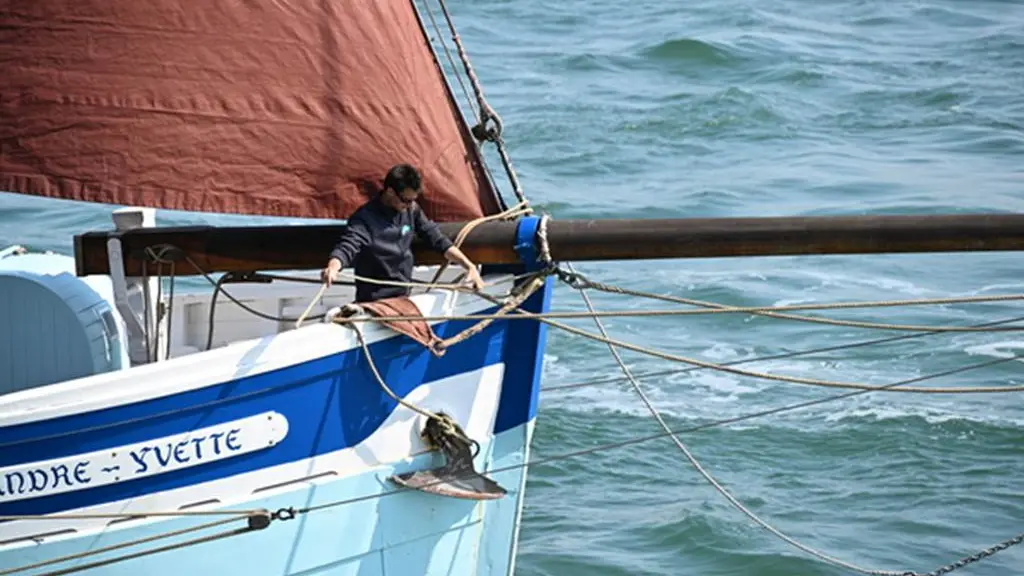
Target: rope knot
[
  {"x": 441, "y": 429},
  {"x": 573, "y": 279},
  {"x": 439, "y": 347},
  {"x": 490, "y": 126}
]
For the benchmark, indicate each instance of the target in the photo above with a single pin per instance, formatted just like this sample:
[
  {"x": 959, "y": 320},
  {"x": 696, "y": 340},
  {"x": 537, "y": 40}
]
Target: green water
[{"x": 739, "y": 108}]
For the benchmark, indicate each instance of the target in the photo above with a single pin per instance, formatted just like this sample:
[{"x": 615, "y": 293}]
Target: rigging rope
[
  {"x": 712, "y": 308},
  {"x": 701, "y": 427},
  {"x": 700, "y": 468},
  {"x": 612, "y": 343},
  {"x": 473, "y": 107},
  {"x": 289, "y": 513},
  {"x": 521, "y": 209},
  {"x": 511, "y": 304},
  {"x": 257, "y": 520},
  {"x": 451, "y": 61},
  {"x": 780, "y": 356},
  {"x": 726, "y": 367},
  {"x": 487, "y": 114},
  {"x": 750, "y": 373},
  {"x": 447, "y": 424},
  {"x": 380, "y": 379},
  {"x": 572, "y": 315},
  {"x": 131, "y": 515},
  {"x": 160, "y": 257},
  {"x": 576, "y": 280}
]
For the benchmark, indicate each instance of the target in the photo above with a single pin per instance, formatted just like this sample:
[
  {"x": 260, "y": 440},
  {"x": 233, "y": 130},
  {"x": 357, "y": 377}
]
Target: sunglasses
[{"x": 405, "y": 200}]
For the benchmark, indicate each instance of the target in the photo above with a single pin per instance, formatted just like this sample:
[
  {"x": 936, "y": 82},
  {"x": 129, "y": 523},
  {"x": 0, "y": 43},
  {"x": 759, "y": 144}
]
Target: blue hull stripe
[
  {"x": 404, "y": 534},
  {"x": 330, "y": 403}
]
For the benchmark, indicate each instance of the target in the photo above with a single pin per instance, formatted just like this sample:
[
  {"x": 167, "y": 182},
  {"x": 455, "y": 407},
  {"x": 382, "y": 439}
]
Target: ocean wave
[{"x": 691, "y": 50}]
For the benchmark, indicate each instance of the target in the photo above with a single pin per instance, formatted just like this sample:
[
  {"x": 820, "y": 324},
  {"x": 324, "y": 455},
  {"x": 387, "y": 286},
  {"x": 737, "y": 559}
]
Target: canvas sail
[{"x": 279, "y": 107}]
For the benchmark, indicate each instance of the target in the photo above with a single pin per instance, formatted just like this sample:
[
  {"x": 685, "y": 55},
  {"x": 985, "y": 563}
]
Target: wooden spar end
[{"x": 266, "y": 248}]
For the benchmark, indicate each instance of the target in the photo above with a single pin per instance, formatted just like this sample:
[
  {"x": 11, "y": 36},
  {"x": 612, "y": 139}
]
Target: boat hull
[{"x": 292, "y": 421}]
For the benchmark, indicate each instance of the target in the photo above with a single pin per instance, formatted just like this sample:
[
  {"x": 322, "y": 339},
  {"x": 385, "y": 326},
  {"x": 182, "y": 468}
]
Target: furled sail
[{"x": 277, "y": 107}]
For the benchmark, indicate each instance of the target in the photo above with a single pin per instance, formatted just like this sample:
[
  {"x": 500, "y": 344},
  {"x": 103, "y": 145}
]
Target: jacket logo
[{"x": 405, "y": 229}]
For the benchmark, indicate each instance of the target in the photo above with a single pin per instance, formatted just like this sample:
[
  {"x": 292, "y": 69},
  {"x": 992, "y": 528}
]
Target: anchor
[{"x": 458, "y": 477}]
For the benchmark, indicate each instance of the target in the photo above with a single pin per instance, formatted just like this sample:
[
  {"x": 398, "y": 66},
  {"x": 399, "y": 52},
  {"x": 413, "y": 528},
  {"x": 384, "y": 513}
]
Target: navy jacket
[{"x": 378, "y": 244}]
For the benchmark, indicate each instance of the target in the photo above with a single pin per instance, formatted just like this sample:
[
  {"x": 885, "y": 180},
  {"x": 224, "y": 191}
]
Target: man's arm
[
  {"x": 455, "y": 255},
  {"x": 355, "y": 237},
  {"x": 431, "y": 232},
  {"x": 428, "y": 230}
]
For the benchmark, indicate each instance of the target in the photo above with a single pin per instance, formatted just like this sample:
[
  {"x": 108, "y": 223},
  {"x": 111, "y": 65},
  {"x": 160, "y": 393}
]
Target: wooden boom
[{"x": 264, "y": 248}]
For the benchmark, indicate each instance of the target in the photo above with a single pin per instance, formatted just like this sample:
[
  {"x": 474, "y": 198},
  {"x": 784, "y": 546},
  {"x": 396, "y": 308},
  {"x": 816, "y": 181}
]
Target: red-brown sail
[{"x": 278, "y": 107}]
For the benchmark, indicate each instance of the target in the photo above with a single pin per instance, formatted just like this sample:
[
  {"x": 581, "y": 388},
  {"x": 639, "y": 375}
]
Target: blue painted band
[
  {"x": 405, "y": 533},
  {"x": 526, "y": 242},
  {"x": 330, "y": 403}
]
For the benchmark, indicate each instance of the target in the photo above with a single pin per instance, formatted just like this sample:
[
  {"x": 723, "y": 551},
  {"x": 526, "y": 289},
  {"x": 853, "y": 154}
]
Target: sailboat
[
  {"x": 134, "y": 441},
  {"x": 145, "y": 430}
]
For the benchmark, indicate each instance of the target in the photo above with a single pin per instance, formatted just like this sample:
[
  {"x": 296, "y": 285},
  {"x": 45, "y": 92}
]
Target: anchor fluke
[{"x": 458, "y": 477}]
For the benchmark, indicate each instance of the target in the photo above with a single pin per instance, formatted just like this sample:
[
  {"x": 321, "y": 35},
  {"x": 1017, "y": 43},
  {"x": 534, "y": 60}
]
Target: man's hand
[
  {"x": 473, "y": 279},
  {"x": 472, "y": 275},
  {"x": 330, "y": 271}
]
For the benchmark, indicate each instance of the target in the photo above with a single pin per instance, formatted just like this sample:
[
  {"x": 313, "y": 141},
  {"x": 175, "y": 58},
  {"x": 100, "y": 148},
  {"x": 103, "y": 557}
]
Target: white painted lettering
[{"x": 143, "y": 459}]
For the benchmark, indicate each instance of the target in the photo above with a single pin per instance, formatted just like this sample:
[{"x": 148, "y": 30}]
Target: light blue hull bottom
[{"x": 409, "y": 533}]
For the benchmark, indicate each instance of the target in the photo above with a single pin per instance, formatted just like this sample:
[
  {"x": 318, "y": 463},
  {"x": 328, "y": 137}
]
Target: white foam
[
  {"x": 996, "y": 349},
  {"x": 881, "y": 411}
]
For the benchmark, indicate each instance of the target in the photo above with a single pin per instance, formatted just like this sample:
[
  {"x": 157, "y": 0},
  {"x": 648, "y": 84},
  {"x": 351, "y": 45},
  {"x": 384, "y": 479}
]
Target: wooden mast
[{"x": 265, "y": 248}]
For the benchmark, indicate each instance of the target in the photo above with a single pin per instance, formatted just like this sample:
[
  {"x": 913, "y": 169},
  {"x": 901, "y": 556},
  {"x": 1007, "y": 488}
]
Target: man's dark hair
[{"x": 402, "y": 176}]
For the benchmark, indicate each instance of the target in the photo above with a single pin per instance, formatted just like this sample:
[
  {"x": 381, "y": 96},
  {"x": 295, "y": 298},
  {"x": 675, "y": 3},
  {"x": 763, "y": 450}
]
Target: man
[{"x": 378, "y": 239}]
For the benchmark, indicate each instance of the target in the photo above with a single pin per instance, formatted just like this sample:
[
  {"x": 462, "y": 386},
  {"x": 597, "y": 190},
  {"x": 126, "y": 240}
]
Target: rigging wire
[
  {"x": 780, "y": 356},
  {"x": 703, "y": 471}
]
